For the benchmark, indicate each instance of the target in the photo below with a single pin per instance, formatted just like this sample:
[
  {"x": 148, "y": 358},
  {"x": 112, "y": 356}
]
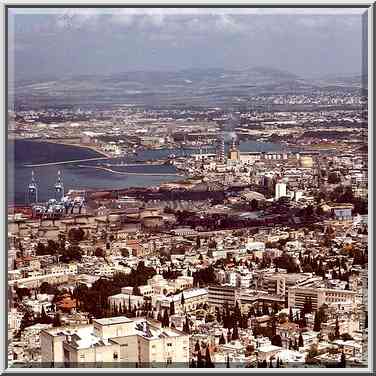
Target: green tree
[
  {"x": 72, "y": 253},
  {"x": 235, "y": 333},
  {"x": 136, "y": 291},
  {"x": 333, "y": 178},
  {"x": 172, "y": 308},
  {"x": 300, "y": 341},
  {"x": 56, "y": 322},
  {"x": 44, "y": 318},
  {"x": 343, "y": 360},
  {"x": 40, "y": 249},
  {"x": 222, "y": 340},
  {"x": 27, "y": 320},
  {"x": 316, "y": 323},
  {"x": 99, "y": 252},
  {"x": 208, "y": 361},
  {"x": 76, "y": 234},
  {"x": 336, "y": 329}
]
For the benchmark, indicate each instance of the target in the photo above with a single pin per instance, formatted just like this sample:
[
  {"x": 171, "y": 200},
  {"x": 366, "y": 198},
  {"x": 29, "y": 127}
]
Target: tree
[
  {"x": 165, "y": 319},
  {"x": 333, "y": 178},
  {"x": 336, "y": 329},
  {"x": 277, "y": 340},
  {"x": 99, "y": 252},
  {"x": 197, "y": 347},
  {"x": 254, "y": 205},
  {"x": 27, "y": 320},
  {"x": 228, "y": 335},
  {"x": 208, "y": 362},
  {"x": 45, "y": 288},
  {"x": 301, "y": 341},
  {"x": 40, "y": 249},
  {"x": 313, "y": 351},
  {"x": 222, "y": 340},
  {"x": 343, "y": 360},
  {"x": 200, "y": 360},
  {"x": 124, "y": 252},
  {"x": 52, "y": 247},
  {"x": 265, "y": 309},
  {"x": 296, "y": 347},
  {"x": 44, "y": 318},
  {"x": 235, "y": 333},
  {"x": 76, "y": 234},
  {"x": 172, "y": 308},
  {"x": 22, "y": 292},
  {"x": 56, "y": 322},
  {"x": 346, "y": 337},
  {"x": 72, "y": 253},
  {"x": 316, "y": 323},
  {"x": 136, "y": 291},
  {"x": 186, "y": 327}
]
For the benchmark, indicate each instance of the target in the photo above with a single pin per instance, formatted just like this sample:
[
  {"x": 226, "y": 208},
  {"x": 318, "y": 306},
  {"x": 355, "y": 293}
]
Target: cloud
[
  {"x": 226, "y": 23},
  {"x": 138, "y": 38}
]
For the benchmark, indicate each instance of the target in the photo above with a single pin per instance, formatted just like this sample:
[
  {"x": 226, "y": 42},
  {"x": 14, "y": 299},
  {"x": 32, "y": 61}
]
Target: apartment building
[
  {"x": 115, "y": 340},
  {"x": 193, "y": 298},
  {"x": 159, "y": 284},
  {"x": 279, "y": 283},
  {"x": 218, "y": 296},
  {"x": 298, "y": 295}
]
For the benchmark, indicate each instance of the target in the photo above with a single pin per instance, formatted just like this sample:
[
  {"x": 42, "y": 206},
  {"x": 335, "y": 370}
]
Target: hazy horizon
[{"x": 102, "y": 41}]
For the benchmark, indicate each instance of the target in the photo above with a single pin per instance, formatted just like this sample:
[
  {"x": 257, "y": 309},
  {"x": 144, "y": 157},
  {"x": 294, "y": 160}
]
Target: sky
[{"x": 69, "y": 42}]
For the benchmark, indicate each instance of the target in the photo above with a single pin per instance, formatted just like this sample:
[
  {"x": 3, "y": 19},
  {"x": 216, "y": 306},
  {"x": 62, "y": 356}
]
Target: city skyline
[{"x": 187, "y": 188}]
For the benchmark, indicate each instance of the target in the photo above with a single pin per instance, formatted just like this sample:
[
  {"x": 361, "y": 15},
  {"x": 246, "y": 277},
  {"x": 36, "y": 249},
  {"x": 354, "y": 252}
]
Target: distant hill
[{"x": 189, "y": 87}]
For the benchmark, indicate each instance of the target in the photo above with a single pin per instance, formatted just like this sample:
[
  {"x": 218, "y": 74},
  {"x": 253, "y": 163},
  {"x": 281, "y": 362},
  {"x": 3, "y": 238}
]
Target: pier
[
  {"x": 66, "y": 162},
  {"x": 130, "y": 173}
]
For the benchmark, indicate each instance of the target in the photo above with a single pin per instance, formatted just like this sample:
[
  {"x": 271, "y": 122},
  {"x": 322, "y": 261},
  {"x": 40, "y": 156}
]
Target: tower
[
  {"x": 280, "y": 190},
  {"x": 59, "y": 188},
  {"x": 221, "y": 150},
  {"x": 233, "y": 154},
  {"x": 32, "y": 190}
]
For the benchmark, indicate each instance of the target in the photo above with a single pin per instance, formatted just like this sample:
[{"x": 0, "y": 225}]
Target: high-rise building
[
  {"x": 280, "y": 190},
  {"x": 221, "y": 150},
  {"x": 218, "y": 296},
  {"x": 32, "y": 190},
  {"x": 59, "y": 188}
]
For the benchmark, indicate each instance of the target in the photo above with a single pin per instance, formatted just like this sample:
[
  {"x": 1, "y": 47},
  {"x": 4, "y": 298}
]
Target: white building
[
  {"x": 115, "y": 340},
  {"x": 280, "y": 190}
]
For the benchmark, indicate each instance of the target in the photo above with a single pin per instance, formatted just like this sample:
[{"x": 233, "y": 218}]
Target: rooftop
[{"x": 113, "y": 320}]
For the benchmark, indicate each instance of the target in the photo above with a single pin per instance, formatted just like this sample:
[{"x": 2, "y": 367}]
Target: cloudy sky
[{"x": 306, "y": 42}]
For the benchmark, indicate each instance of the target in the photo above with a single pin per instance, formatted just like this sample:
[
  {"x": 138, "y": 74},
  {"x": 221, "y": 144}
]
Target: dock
[{"x": 65, "y": 162}]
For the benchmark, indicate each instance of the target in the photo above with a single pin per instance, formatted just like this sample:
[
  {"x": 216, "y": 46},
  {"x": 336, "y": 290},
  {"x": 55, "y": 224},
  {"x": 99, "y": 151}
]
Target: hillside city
[{"x": 248, "y": 259}]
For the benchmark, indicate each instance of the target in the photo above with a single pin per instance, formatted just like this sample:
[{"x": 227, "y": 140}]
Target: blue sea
[{"x": 24, "y": 152}]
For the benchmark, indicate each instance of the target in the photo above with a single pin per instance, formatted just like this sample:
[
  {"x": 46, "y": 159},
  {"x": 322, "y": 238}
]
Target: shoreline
[{"x": 93, "y": 148}]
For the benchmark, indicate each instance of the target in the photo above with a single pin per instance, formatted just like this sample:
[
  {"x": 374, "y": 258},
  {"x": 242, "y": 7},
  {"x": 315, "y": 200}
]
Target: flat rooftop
[{"x": 113, "y": 320}]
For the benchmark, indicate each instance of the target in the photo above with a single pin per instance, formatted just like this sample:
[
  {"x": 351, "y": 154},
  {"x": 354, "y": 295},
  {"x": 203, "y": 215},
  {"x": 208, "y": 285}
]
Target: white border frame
[{"x": 275, "y": 4}]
